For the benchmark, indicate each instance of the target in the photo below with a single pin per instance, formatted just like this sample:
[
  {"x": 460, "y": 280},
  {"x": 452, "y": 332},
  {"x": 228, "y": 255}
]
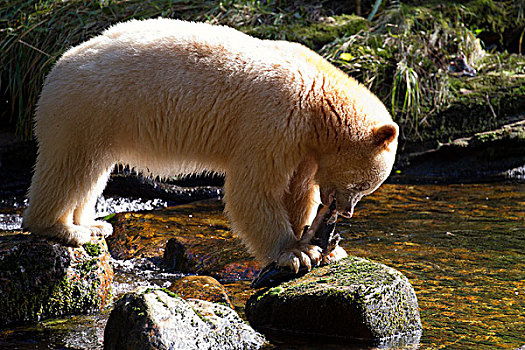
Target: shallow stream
[{"x": 461, "y": 246}]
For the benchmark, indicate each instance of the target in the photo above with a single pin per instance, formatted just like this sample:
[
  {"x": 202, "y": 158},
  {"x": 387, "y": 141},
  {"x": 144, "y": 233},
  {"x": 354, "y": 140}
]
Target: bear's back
[{"x": 170, "y": 39}]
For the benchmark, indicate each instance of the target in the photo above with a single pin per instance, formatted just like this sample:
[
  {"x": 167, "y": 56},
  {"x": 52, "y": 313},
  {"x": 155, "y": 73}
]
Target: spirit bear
[{"x": 172, "y": 97}]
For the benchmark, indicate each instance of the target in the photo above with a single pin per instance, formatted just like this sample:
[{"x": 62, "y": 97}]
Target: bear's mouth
[
  {"x": 327, "y": 196},
  {"x": 346, "y": 213}
]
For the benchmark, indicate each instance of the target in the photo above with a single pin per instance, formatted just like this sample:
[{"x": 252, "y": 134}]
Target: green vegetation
[
  {"x": 405, "y": 59},
  {"x": 92, "y": 249},
  {"x": 403, "y": 55}
]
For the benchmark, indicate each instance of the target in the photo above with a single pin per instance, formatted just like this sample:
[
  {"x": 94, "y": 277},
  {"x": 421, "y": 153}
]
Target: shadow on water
[{"x": 461, "y": 246}]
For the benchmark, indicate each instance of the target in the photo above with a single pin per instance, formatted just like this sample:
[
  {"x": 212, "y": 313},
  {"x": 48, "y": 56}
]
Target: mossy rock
[
  {"x": 40, "y": 279},
  {"x": 354, "y": 300},
  {"x": 159, "y": 319}
]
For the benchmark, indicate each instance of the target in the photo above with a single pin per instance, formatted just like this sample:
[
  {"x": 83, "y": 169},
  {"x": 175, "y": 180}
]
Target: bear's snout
[{"x": 347, "y": 211}]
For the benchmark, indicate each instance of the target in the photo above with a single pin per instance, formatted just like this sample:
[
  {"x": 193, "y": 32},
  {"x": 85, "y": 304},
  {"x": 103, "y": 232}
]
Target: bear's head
[{"x": 358, "y": 150}]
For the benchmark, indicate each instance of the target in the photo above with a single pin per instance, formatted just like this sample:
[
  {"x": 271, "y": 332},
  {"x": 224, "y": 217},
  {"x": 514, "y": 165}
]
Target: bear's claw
[
  {"x": 297, "y": 261},
  {"x": 306, "y": 255},
  {"x": 101, "y": 229}
]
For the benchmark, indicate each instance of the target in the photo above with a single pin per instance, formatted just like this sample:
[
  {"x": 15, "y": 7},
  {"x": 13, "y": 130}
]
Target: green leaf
[
  {"x": 108, "y": 217},
  {"x": 345, "y": 56}
]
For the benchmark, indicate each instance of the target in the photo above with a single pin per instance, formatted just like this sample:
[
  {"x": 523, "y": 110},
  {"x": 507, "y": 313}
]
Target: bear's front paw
[
  {"x": 306, "y": 255},
  {"x": 101, "y": 229}
]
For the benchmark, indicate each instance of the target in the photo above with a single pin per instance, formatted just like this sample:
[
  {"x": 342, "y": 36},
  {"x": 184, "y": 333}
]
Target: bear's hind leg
[
  {"x": 84, "y": 214},
  {"x": 59, "y": 185}
]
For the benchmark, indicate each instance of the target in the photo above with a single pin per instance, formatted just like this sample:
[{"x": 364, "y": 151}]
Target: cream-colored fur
[{"x": 172, "y": 97}]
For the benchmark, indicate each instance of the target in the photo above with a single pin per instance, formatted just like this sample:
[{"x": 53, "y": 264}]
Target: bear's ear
[{"x": 384, "y": 134}]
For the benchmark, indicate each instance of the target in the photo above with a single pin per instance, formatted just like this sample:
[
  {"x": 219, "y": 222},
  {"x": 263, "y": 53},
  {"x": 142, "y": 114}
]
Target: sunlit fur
[{"x": 171, "y": 97}]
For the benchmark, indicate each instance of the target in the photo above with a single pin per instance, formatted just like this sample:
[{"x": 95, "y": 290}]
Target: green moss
[
  {"x": 88, "y": 266},
  {"x": 349, "y": 272},
  {"x": 311, "y": 34},
  {"x": 203, "y": 319},
  {"x": 92, "y": 249},
  {"x": 139, "y": 310},
  {"x": 162, "y": 302},
  {"x": 170, "y": 293},
  {"x": 69, "y": 297},
  {"x": 275, "y": 290},
  {"x": 487, "y": 136}
]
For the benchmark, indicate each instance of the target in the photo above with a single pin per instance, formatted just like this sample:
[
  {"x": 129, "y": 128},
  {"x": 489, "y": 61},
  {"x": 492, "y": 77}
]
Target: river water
[{"x": 461, "y": 246}]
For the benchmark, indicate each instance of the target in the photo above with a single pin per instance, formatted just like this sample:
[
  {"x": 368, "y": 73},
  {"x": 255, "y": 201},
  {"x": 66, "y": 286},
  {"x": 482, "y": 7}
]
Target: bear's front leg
[
  {"x": 257, "y": 211},
  {"x": 301, "y": 200}
]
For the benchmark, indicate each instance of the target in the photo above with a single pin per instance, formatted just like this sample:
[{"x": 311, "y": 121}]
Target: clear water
[
  {"x": 463, "y": 249},
  {"x": 461, "y": 246}
]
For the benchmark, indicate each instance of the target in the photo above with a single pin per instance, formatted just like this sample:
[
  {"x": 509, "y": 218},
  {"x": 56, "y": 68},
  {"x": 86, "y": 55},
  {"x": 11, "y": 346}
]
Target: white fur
[{"x": 172, "y": 97}]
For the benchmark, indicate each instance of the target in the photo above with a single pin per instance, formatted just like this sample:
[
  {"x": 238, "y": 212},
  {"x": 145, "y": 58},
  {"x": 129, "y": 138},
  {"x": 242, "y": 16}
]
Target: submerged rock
[
  {"x": 202, "y": 288},
  {"x": 203, "y": 257},
  {"x": 349, "y": 301},
  {"x": 156, "y": 319},
  {"x": 40, "y": 279}
]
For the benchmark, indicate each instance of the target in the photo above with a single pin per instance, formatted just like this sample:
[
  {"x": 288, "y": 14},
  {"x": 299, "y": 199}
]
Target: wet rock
[
  {"x": 155, "y": 319},
  {"x": 349, "y": 301},
  {"x": 239, "y": 292},
  {"x": 201, "y": 287},
  {"x": 40, "y": 279},
  {"x": 189, "y": 257},
  {"x": 178, "y": 258},
  {"x": 486, "y": 156},
  {"x": 201, "y": 241}
]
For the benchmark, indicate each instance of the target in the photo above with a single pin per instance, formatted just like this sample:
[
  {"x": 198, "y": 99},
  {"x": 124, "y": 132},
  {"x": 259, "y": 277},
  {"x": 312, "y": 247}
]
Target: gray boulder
[
  {"x": 158, "y": 319},
  {"x": 354, "y": 300}
]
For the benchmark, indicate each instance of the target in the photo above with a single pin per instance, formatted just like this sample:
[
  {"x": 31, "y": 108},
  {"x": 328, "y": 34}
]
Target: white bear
[{"x": 172, "y": 97}]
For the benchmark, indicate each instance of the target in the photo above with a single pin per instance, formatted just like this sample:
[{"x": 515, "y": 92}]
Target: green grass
[
  {"x": 402, "y": 56},
  {"x": 33, "y": 35},
  {"x": 405, "y": 56}
]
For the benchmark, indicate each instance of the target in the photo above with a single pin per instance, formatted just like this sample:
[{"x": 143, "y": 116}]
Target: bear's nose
[{"x": 348, "y": 212}]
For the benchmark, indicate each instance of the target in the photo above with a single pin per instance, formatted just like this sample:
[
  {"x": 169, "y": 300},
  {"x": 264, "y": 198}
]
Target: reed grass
[
  {"x": 404, "y": 59},
  {"x": 402, "y": 56},
  {"x": 33, "y": 34}
]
